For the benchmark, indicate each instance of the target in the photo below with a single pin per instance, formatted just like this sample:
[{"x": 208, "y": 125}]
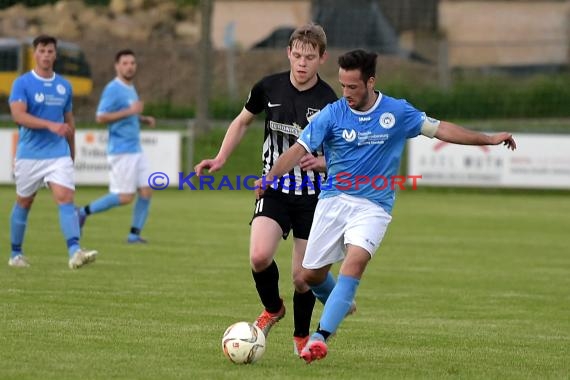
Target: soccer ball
[{"x": 243, "y": 343}]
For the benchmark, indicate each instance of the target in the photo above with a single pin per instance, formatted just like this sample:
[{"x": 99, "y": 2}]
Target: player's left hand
[
  {"x": 506, "y": 139},
  {"x": 149, "y": 120}
]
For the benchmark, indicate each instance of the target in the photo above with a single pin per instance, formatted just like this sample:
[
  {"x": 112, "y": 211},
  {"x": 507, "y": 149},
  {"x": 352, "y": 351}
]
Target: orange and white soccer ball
[{"x": 243, "y": 343}]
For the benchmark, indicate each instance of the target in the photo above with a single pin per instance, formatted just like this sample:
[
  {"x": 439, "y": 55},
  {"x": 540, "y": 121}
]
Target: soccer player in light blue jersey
[
  {"x": 363, "y": 135},
  {"x": 41, "y": 106},
  {"x": 121, "y": 109}
]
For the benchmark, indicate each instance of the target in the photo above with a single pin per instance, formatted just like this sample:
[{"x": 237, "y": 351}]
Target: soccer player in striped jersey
[
  {"x": 288, "y": 99},
  {"x": 363, "y": 135},
  {"x": 41, "y": 105}
]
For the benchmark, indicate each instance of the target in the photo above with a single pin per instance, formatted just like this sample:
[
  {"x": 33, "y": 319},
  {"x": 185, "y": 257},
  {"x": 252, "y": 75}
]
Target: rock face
[
  {"x": 161, "y": 33},
  {"x": 138, "y": 20}
]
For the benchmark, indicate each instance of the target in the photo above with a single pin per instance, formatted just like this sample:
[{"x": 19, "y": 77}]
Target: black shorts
[{"x": 289, "y": 211}]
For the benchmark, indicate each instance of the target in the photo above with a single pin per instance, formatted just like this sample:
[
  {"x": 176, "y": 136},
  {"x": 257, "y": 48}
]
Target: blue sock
[
  {"x": 338, "y": 303},
  {"x": 317, "y": 336},
  {"x": 18, "y": 222},
  {"x": 104, "y": 203},
  {"x": 140, "y": 213},
  {"x": 324, "y": 289},
  {"x": 69, "y": 224}
]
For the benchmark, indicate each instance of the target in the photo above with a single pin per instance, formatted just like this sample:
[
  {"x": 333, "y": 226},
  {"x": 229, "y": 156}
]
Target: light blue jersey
[
  {"x": 48, "y": 99},
  {"x": 362, "y": 146},
  {"x": 124, "y": 134}
]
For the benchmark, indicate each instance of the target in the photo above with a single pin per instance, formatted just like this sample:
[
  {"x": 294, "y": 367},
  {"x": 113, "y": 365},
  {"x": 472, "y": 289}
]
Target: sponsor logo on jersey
[
  {"x": 311, "y": 113},
  {"x": 287, "y": 129},
  {"x": 371, "y": 138},
  {"x": 349, "y": 136},
  {"x": 387, "y": 120}
]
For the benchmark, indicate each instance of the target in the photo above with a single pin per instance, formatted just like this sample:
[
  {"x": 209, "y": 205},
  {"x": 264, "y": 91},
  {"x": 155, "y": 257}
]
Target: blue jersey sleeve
[
  {"x": 18, "y": 93},
  {"x": 413, "y": 120},
  {"x": 316, "y": 131},
  {"x": 107, "y": 101}
]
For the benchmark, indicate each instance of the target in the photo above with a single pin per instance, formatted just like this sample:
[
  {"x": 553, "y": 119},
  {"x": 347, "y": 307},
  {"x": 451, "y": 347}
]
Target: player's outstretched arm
[
  {"x": 456, "y": 134},
  {"x": 234, "y": 135}
]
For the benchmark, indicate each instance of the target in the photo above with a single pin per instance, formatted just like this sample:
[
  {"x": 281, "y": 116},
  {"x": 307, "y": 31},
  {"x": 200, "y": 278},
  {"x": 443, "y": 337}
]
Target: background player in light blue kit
[
  {"x": 41, "y": 105},
  {"x": 363, "y": 134},
  {"x": 121, "y": 109}
]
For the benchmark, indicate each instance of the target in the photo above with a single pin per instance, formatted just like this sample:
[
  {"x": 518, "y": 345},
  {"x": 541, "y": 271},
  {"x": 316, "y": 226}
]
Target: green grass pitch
[{"x": 465, "y": 285}]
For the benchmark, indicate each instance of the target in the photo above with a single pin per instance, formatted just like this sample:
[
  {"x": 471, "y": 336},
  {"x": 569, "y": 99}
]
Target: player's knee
[
  {"x": 125, "y": 199},
  {"x": 311, "y": 277},
  {"x": 299, "y": 283},
  {"x": 25, "y": 202},
  {"x": 145, "y": 192},
  {"x": 260, "y": 260}
]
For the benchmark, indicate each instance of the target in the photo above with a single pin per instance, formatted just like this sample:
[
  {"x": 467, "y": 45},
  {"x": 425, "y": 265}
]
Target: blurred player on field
[
  {"x": 121, "y": 109},
  {"x": 41, "y": 106}
]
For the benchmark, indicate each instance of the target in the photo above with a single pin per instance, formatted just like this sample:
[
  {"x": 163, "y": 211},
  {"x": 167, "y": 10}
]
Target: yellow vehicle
[{"x": 16, "y": 58}]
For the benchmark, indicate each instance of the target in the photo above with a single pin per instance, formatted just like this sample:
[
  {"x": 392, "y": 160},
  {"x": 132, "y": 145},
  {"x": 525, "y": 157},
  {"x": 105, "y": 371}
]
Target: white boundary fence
[
  {"x": 163, "y": 149},
  {"x": 541, "y": 161}
]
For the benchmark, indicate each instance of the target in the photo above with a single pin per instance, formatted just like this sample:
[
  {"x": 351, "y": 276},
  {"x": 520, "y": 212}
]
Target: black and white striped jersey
[{"x": 287, "y": 113}]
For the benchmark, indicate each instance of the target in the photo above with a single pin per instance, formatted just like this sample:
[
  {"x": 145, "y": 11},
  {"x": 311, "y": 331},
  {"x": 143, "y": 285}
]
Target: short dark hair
[
  {"x": 120, "y": 53},
  {"x": 359, "y": 59},
  {"x": 44, "y": 39}
]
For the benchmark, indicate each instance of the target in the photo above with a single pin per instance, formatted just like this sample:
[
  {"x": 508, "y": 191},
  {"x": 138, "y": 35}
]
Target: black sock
[
  {"x": 303, "y": 304},
  {"x": 267, "y": 285},
  {"x": 87, "y": 210},
  {"x": 135, "y": 231},
  {"x": 324, "y": 333}
]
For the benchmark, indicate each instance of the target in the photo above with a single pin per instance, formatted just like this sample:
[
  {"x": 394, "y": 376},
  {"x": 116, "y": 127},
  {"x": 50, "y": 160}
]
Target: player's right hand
[
  {"x": 212, "y": 165},
  {"x": 259, "y": 188},
  {"x": 60, "y": 129}
]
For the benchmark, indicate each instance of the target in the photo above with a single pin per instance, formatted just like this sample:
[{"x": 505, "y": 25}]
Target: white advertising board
[
  {"x": 8, "y": 140},
  {"x": 161, "y": 147},
  {"x": 540, "y": 161}
]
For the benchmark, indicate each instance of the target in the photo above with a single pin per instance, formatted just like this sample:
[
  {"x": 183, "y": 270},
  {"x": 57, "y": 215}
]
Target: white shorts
[
  {"x": 129, "y": 172},
  {"x": 31, "y": 174},
  {"x": 341, "y": 220}
]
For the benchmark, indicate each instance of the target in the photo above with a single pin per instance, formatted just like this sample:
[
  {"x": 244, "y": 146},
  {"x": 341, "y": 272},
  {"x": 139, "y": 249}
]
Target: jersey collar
[
  {"x": 376, "y": 103},
  {"x": 42, "y": 78}
]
